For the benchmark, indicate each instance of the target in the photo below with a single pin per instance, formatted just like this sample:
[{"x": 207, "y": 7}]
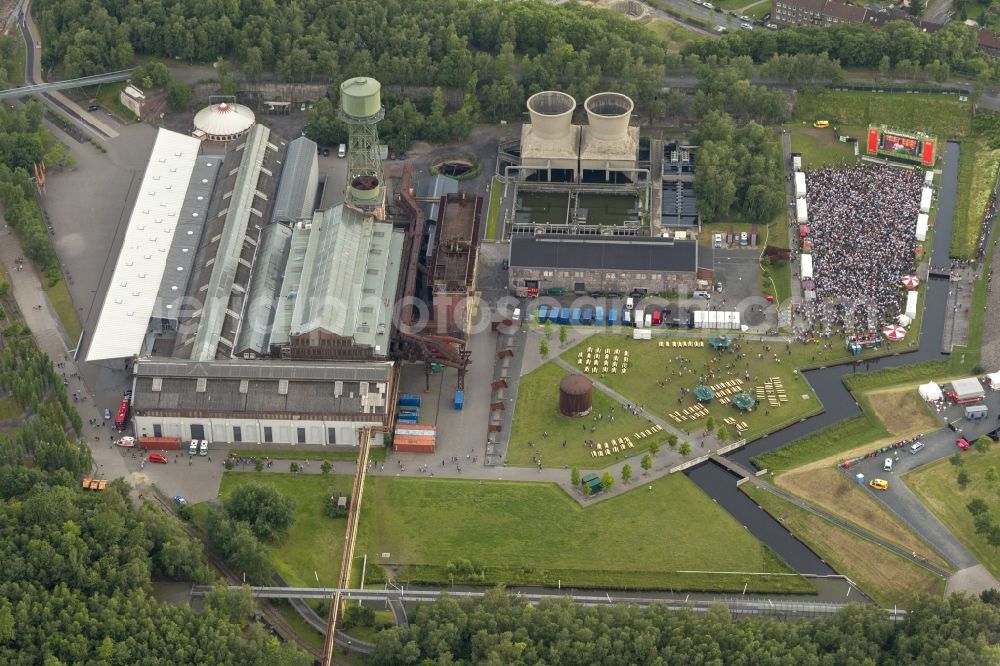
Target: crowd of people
[{"x": 862, "y": 221}]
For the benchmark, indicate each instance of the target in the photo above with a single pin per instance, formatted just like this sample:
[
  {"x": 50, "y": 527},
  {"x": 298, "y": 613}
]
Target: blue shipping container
[
  {"x": 459, "y": 400},
  {"x": 407, "y": 418},
  {"x": 409, "y": 400},
  {"x": 564, "y": 316},
  {"x": 599, "y": 315},
  {"x": 575, "y": 319}
]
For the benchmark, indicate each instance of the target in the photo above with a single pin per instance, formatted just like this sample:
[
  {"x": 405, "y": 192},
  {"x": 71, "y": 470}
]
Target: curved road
[{"x": 839, "y": 404}]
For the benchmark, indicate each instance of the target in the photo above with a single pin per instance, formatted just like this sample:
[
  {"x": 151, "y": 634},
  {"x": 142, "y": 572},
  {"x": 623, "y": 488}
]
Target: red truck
[{"x": 160, "y": 443}]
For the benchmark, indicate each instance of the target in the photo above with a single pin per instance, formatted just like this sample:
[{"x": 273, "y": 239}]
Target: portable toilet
[
  {"x": 459, "y": 400},
  {"x": 599, "y": 315}
]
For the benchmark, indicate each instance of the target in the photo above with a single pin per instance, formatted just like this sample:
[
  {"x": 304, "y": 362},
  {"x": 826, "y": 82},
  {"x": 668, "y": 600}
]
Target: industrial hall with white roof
[{"x": 250, "y": 315}]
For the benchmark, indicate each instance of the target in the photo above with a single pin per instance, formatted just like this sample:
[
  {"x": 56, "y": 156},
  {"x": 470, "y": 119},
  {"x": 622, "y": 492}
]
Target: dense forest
[
  {"x": 78, "y": 566},
  {"x": 953, "y": 48},
  {"x": 502, "y": 630}
]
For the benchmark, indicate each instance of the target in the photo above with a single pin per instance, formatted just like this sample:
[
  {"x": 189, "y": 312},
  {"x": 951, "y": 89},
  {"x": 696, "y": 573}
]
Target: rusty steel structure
[{"x": 414, "y": 343}]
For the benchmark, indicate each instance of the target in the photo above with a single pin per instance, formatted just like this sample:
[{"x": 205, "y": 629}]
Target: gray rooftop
[
  {"x": 296, "y": 196},
  {"x": 435, "y": 186},
  {"x": 341, "y": 277},
  {"x": 187, "y": 238},
  {"x": 610, "y": 253},
  {"x": 240, "y": 206},
  {"x": 355, "y": 389},
  {"x": 265, "y": 281}
]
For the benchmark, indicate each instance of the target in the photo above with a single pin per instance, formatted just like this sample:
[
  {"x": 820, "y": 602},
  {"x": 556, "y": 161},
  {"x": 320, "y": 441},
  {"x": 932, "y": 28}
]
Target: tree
[
  {"x": 983, "y": 444},
  {"x": 991, "y": 474},
  {"x": 993, "y": 538},
  {"x": 626, "y": 473},
  {"x": 983, "y": 523},
  {"x": 916, "y": 7},
  {"x": 963, "y": 478},
  {"x": 259, "y": 466},
  {"x": 654, "y": 448},
  {"x": 646, "y": 463},
  {"x": 543, "y": 347},
  {"x": 977, "y": 506},
  {"x": 723, "y": 434},
  {"x": 253, "y": 64},
  {"x": 325, "y": 467},
  {"x": 685, "y": 449},
  {"x": 563, "y": 336},
  {"x": 607, "y": 481},
  {"x": 883, "y": 66},
  {"x": 228, "y": 85},
  {"x": 574, "y": 476},
  {"x": 178, "y": 95},
  {"x": 268, "y": 513},
  {"x": 293, "y": 467},
  {"x": 323, "y": 125},
  {"x": 672, "y": 440},
  {"x": 710, "y": 424},
  {"x": 957, "y": 460}
]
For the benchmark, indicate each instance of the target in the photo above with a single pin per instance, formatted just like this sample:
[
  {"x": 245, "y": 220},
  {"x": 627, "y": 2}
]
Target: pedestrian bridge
[{"x": 82, "y": 82}]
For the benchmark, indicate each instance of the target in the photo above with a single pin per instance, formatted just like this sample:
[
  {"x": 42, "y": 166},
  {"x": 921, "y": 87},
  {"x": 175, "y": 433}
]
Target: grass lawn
[
  {"x": 759, "y": 11},
  {"x": 942, "y": 115},
  {"x": 781, "y": 276},
  {"x": 108, "y": 95},
  {"x": 537, "y": 410},
  {"x": 681, "y": 369},
  {"x": 675, "y": 35},
  {"x": 62, "y": 303},
  {"x": 938, "y": 489},
  {"x": 885, "y": 577},
  {"x": 315, "y": 542},
  {"x": 526, "y": 533},
  {"x": 820, "y": 148},
  {"x": 492, "y": 215},
  {"x": 902, "y": 412},
  {"x": 977, "y": 172}
]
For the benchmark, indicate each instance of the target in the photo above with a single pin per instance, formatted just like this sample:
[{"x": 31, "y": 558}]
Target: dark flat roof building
[{"x": 599, "y": 263}]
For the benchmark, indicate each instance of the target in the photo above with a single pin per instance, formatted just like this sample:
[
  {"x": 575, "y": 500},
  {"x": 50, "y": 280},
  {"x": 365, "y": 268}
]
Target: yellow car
[
  {"x": 879, "y": 484},
  {"x": 821, "y": 124}
]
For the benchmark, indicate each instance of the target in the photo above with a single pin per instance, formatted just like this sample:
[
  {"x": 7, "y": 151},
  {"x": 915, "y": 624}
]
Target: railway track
[{"x": 271, "y": 615}]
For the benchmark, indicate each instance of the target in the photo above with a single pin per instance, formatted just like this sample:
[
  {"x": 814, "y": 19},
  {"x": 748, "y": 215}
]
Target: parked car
[
  {"x": 718, "y": 287},
  {"x": 107, "y": 414},
  {"x": 962, "y": 443},
  {"x": 718, "y": 240},
  {"x": 916, "y": 446},
  {"x": 326, "y": 152},
  {"x": 744, "y": 238},
  {"x": 888, "y": 465},
  {"x": 93, "y": 107},
  {"x": 204, "y": 447},
  {"x": 879, "y": 484},
  {"x": 158, "y": 458},
  {"x": 179, "y": 500}
]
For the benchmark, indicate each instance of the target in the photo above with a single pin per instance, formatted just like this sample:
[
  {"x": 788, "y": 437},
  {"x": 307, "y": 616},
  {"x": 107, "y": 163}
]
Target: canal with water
[{"x": 837, "y": 401}]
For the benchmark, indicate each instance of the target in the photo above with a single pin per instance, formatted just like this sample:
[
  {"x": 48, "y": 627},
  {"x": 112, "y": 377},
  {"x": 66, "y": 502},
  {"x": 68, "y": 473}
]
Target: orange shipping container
[{"x": 413, "y": 444}]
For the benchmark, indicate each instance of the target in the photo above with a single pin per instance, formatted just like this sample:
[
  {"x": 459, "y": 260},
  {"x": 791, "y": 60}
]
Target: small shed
[
  {"x": 591, "y": 481},
  {"x": 930, "y": 392}
]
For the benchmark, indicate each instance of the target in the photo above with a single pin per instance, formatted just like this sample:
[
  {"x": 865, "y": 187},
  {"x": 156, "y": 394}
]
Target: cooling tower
[
  {"x": 550, "y": 142},
  {"x": 608, "y": 116},
  {"x": 608, "y": 141},
  {"x": 551, "y": 114}
]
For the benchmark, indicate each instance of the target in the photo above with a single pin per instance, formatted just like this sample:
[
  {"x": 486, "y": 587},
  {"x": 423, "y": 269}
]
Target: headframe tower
[{"x": 361, "y": 108}]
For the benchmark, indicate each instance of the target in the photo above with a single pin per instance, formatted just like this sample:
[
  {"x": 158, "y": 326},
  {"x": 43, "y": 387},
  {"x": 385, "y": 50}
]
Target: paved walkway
[{"x": 26, "y": 287}]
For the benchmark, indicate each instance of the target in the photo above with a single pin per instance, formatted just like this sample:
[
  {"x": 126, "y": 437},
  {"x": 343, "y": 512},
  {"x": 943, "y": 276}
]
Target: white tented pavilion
[
  {"x": 994, "y": 379},
  {"x": 930, "y": 392}
]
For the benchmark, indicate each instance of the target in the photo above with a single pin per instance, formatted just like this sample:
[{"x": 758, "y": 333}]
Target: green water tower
[{"x": 361, "y": 108}]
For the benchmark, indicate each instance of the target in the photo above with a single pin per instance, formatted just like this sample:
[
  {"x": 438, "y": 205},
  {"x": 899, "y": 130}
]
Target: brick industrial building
[{"x": 580, "y": 263}]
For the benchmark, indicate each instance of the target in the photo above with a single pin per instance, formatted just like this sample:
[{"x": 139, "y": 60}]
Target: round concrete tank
[
  {"x": 361, "y": 97},
  {"x": 608, "y": 115},
  {"x": 575, "y": 396},
  {"x": 551, "y": 114}
]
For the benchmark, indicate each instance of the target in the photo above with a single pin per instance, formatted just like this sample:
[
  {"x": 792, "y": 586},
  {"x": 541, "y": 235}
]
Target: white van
[
  {"x": 342, "y": 150},
  {"x": 193, "y": 448},
  {"x": 888, "y": 465},
  {"x": 702, "y": 294},
  {"x": 204, "y": 447}
]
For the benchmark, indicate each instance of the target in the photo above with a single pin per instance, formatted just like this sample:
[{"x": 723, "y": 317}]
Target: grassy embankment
[{"x": 443, "y": 531}]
